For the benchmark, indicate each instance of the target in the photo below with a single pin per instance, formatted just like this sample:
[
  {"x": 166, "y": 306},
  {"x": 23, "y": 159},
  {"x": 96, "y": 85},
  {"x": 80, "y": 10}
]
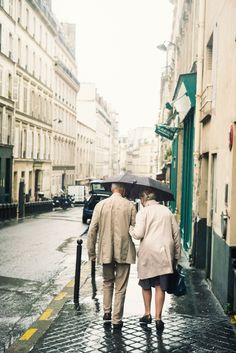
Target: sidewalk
[{"x": 194, "y": 323}]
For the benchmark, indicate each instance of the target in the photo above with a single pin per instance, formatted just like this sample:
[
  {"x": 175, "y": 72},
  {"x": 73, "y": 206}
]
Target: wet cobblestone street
[{"x": 194, "y": 323}]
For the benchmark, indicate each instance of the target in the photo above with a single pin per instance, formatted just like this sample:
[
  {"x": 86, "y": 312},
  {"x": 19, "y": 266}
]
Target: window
[
  {"x": 1, "y": 80},
  {"x": 0, "y": 36},
  {"x": 25, "y": 99},
  {"x": 209, "y": 59},
  {"x": 18, "y": 10},
  {"x": 40, "y": 34},
  {"x": 33, "y": 63},
  {"x": 9, "y": 125},
  {"x": 38, "y": 147},
  {"x": 34, "y": 27},
  {"x": 11, "y": 7},
  {"x": 18, "y": 92},
  {"x": 27, "y": 20},
  {"x": 9, "y": 86},
  {"x": 24, "y": 142},
  {"x": 1, "y": 126},
  {"x": 26, "y": 57},
  {"x": 19, "y": 51},
  {"x": 32, "y": 103},
  {"x": 40, "y": 68},
  {"x": 46, "y": 41},
  {"x": 10, "y": 45}
]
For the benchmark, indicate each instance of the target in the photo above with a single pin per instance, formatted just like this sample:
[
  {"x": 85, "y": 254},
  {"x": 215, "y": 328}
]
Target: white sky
[{"x": 116, "y": 49}]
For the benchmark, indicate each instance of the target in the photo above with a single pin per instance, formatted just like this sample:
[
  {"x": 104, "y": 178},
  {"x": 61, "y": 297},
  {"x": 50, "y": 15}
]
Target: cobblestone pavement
[
  {"x": 80, "y": 332},
  {"x": 194, "y": 323}
]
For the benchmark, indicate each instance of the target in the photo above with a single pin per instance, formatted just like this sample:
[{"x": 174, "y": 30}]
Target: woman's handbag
[{"x": 176, "y": 283}]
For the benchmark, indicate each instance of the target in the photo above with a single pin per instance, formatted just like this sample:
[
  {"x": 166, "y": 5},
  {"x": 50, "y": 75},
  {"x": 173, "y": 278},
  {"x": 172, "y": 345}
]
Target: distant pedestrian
[
  {"x": 159, "y": 250},
  {"x": 111, "y": 220}
]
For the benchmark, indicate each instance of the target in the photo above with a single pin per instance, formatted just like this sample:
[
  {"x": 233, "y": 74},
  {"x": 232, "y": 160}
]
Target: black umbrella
[{"x": 135, "y": 184}]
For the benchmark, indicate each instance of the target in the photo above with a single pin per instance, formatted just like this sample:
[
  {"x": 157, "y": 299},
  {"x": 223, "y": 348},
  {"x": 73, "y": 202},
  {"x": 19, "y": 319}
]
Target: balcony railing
[
  {"x": 206, "y": 101},
  {"x": 47, "y": 13},
  {"x": 67, "y": 72}
]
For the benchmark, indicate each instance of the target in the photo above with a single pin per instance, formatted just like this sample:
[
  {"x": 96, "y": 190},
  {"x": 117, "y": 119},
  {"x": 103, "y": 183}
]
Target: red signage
[{"x": 231, "y": 137}]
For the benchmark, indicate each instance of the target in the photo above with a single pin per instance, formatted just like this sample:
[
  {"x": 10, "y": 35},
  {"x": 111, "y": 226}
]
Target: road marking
[
  {"x": 71, "y": 284},
  {"x": 47, "y": 313},
  {"x": 28, "y": 334},
  {"x": 60, "y": 296}
]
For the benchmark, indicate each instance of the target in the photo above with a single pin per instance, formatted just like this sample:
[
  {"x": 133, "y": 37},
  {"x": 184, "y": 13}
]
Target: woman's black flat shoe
[
  {"x": 145, "y": 320},
  {"x": 159, "y": 326}
]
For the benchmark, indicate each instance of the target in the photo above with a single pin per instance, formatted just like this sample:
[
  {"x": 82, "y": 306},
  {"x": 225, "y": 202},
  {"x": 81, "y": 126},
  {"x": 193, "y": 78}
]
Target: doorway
[
  {"x": 213, "y": 207},
  {"x": 187, "y": 181}
]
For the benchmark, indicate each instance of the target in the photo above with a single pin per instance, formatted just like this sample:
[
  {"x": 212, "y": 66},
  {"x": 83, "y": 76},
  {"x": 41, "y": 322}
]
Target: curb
[{"x": 29, "y": 338}]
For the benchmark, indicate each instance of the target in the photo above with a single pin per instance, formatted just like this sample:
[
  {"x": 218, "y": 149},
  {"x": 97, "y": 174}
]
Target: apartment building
[
  {"x": 138, "y": 152},
  {"x": 38, "y": 82},
  {"x": 198, "y": 118},
  {"x": 98, "y": 129}
]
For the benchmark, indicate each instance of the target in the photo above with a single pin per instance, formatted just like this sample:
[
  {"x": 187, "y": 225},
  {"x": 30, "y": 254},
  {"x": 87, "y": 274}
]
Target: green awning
[
  {"x": 184, "y": 97},
  {"x": 189, "y": 83}
]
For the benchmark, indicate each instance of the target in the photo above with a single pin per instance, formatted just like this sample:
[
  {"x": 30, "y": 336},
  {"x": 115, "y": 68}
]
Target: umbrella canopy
[{"x": 135, "y": 184}]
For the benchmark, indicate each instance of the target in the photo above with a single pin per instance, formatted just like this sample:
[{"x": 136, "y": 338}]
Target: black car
[{"x": 90, "y": 204}]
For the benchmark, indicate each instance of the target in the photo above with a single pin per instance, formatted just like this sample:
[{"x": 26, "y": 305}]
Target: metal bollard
[
  {"x": 77, "y": 271},
  {"x": 93, "y": 271}
]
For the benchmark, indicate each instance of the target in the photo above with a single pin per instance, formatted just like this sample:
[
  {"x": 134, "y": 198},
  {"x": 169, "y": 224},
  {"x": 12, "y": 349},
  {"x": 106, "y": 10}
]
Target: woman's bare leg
[
  {"x": 147, "y": 298},
  {"x": 159, "y": 301}
]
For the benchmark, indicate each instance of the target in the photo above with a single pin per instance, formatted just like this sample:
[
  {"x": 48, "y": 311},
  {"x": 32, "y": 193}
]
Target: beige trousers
[{"x": 115, "y": 276}]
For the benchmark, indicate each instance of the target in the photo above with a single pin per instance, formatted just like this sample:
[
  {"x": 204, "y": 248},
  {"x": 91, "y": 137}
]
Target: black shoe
[
  {"x": 146, "y": 319},
  {"x": 107, "y": 318},
  {"x": 159, "y": 326},
  {"x": 118, "y": 326}
]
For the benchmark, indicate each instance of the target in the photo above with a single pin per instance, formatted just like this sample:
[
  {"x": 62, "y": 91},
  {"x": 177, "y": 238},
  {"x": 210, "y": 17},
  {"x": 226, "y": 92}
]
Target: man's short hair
[{"x": 117, "y": 186}]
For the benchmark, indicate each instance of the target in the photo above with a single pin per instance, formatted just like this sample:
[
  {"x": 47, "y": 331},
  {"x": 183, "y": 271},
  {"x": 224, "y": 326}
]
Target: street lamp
[{"x": 164, "y": 46}]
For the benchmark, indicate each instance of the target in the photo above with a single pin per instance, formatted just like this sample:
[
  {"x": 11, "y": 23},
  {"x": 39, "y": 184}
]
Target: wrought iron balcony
[{"x": 67, "y": 72}]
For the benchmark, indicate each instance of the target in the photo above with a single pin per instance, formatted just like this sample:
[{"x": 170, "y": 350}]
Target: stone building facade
[
  {"x": 97, "y": 129},
  {"x": 38, "y": 98},
  {"x": 138, "y": 152},
  {"x": 198, "y": 114}
]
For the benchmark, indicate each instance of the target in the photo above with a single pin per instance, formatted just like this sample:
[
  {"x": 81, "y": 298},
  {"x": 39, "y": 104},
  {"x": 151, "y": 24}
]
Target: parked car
[{"x": 91, "y": 202}]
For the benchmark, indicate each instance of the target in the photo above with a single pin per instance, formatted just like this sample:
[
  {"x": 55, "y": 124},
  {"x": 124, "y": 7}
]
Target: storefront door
[{"x": 187, "y": 181}]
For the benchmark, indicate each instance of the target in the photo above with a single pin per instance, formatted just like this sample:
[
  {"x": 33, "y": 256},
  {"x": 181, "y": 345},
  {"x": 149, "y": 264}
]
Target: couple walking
[{"x": 115, "y": 222}]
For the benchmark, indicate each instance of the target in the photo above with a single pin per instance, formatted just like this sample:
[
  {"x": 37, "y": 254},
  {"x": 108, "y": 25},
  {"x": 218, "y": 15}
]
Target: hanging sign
[{"x": 166, "y": 131}]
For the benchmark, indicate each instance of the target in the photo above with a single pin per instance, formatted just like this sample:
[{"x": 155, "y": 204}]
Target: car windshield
[
  {"x": 97, "y": 187},
  {"x": 94, "y": 199}
]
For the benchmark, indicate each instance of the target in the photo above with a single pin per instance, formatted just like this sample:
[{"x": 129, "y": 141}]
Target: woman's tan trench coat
[{"x": 158, "y": 231}]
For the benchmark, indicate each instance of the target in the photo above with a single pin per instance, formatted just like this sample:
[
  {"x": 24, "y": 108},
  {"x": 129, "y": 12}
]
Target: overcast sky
[{"x": 116, "y": 49}]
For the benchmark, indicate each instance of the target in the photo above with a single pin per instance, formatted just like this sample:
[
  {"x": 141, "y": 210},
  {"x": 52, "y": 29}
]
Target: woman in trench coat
[{"x": 159, "y": 250}]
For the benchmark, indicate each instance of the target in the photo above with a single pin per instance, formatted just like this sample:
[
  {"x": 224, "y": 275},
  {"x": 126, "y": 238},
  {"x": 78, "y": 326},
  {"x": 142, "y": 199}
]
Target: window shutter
[
  {"x": 16, "y": 144},
  {"x": 1, "y": 81},
  {"x": 41, "y": 145},
  {"x": 14, "y": 49},
  {"x": 15, "y": 88},
  {"x": 35, "y": 147},
  {"x": 28, "y": 143}
]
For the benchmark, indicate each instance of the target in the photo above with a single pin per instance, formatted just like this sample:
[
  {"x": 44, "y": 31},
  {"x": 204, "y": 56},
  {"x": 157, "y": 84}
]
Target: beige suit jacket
[{"x": 111, "y": 220}]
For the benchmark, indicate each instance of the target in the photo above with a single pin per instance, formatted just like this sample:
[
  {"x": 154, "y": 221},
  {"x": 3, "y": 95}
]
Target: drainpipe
[{"x": 197, "y": 139}]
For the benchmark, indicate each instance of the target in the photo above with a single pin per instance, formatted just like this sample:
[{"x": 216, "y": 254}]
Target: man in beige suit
[{"x": 116, "y": 251}]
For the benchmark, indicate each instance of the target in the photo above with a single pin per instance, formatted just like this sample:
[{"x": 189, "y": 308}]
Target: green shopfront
[{"x": 181, "y": 170}]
